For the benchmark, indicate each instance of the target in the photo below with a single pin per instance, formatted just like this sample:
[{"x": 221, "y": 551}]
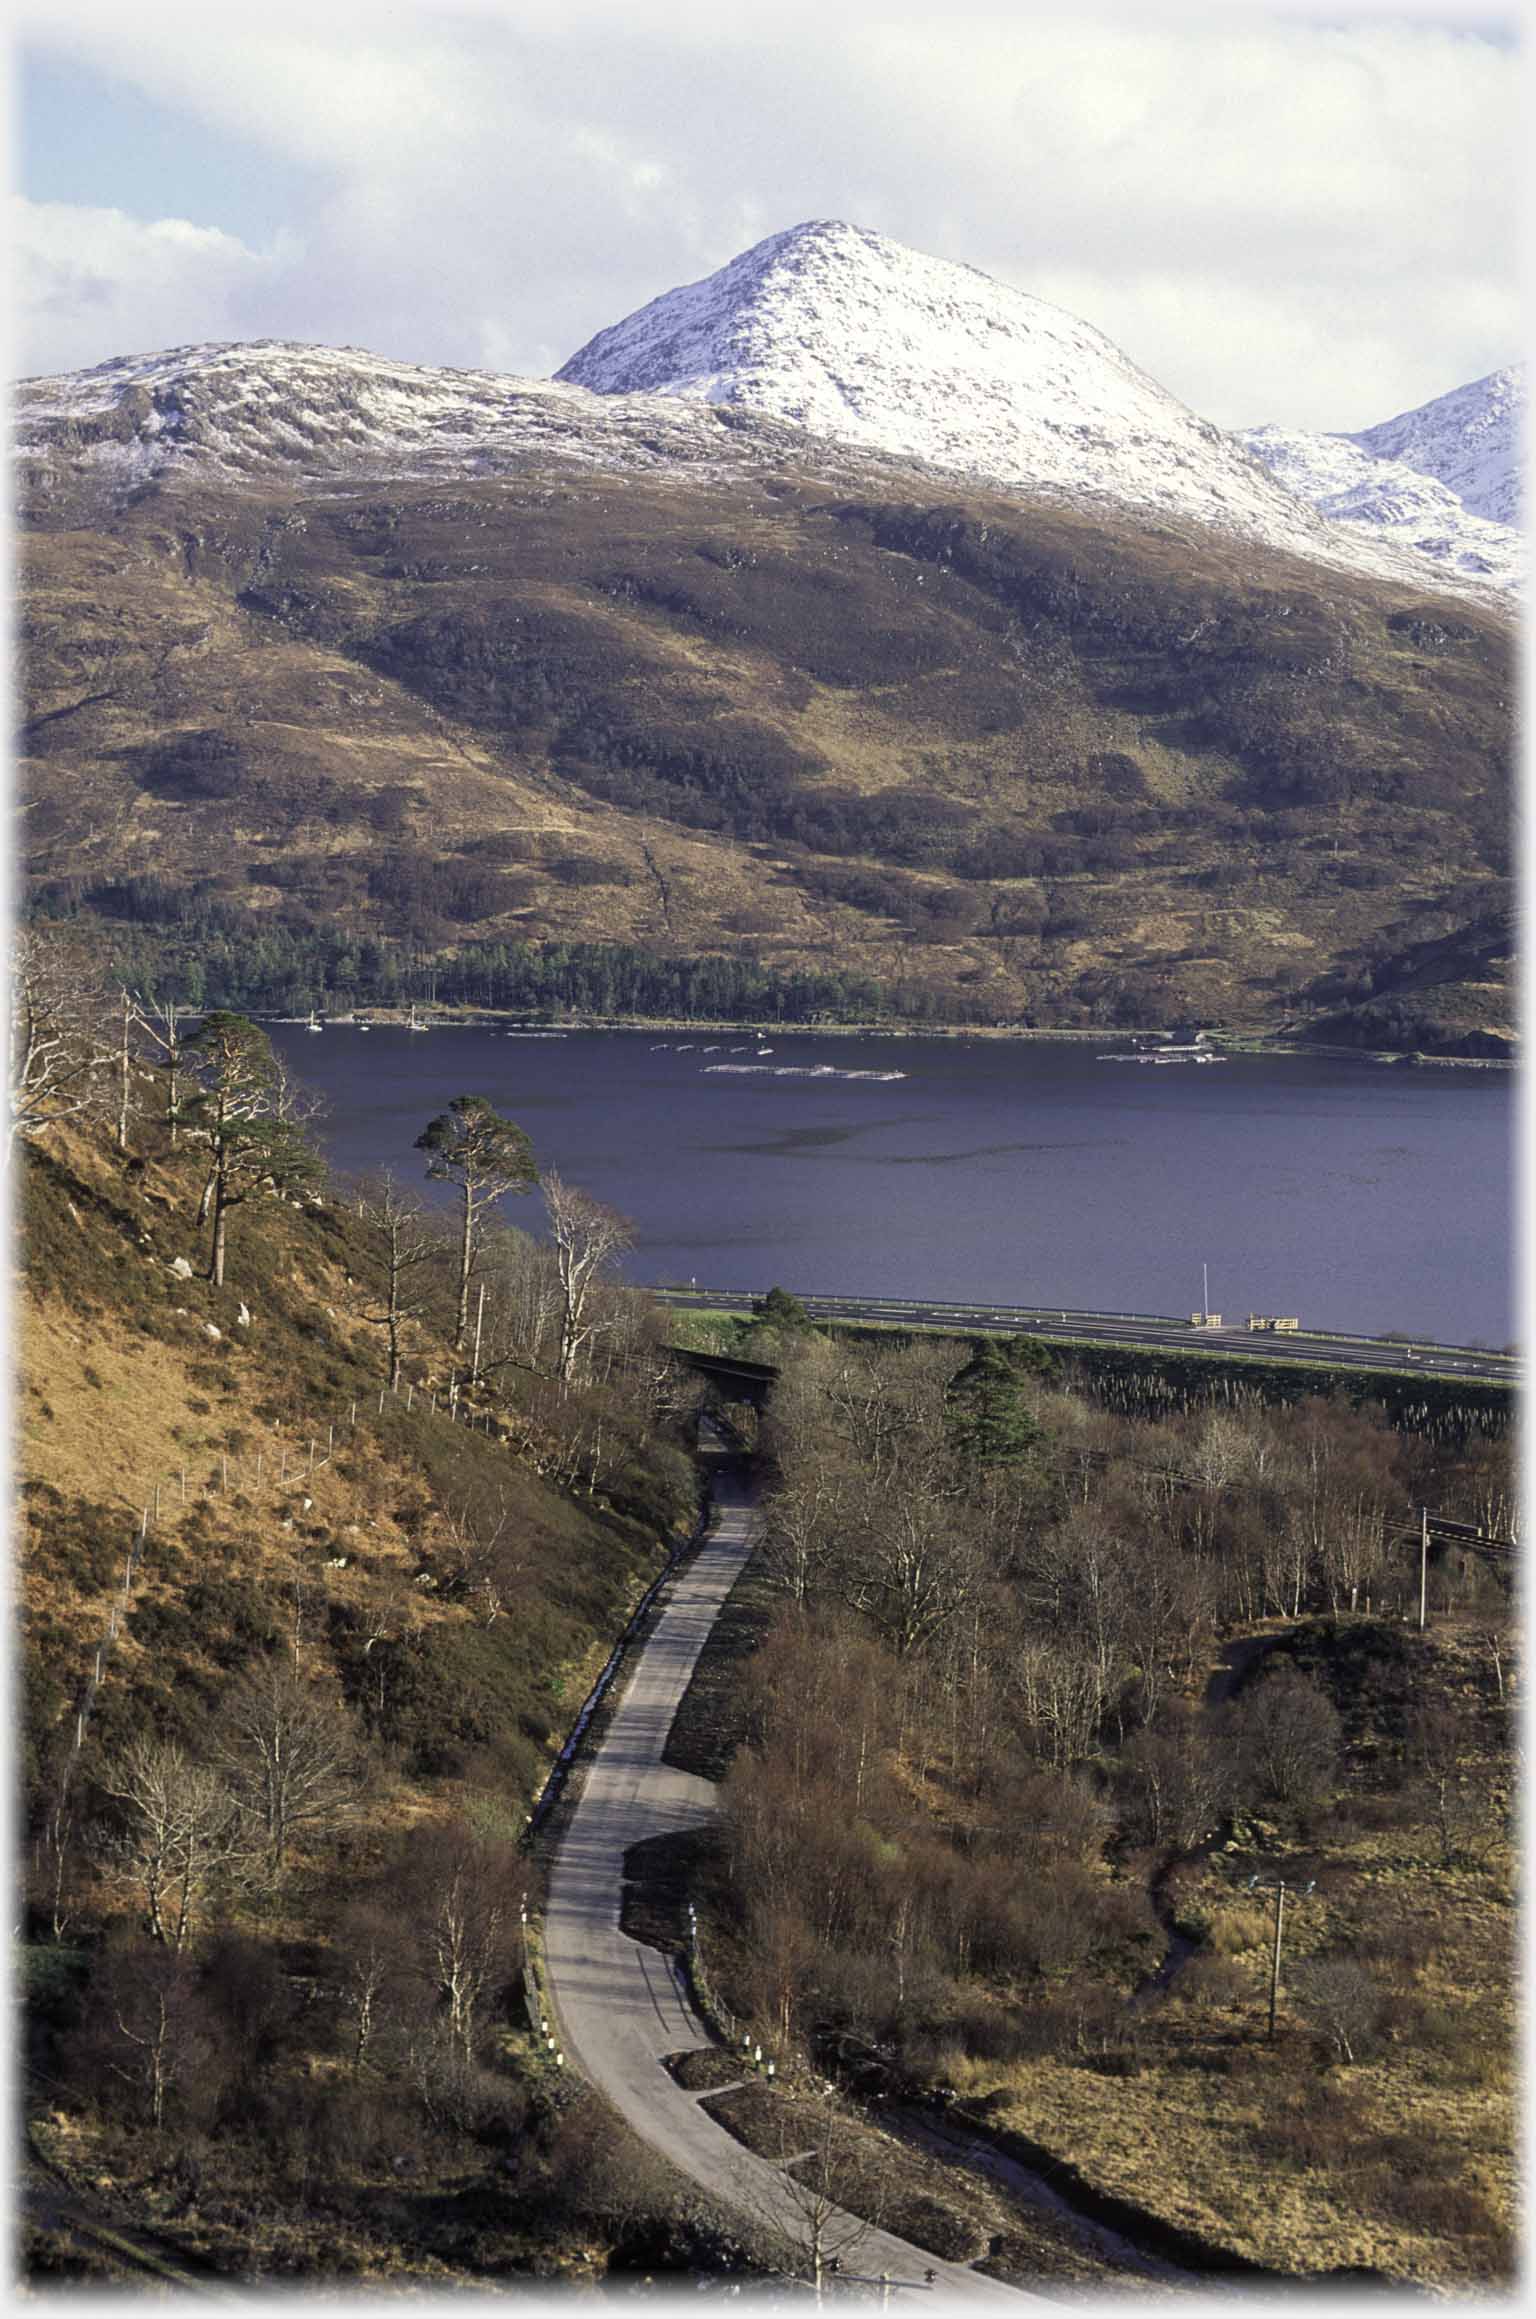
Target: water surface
[{"x": 1353, "y": 1195}]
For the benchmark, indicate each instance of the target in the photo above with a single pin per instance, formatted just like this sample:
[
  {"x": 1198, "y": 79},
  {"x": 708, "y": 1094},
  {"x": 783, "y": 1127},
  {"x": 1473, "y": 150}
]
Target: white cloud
[
  {"x": 1278, "y": 217},
  {"x": 94, "y": 282}
]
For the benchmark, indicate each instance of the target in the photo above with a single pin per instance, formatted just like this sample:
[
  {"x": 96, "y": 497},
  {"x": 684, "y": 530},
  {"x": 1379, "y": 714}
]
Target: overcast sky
[{"x": 1304, "y": 215}]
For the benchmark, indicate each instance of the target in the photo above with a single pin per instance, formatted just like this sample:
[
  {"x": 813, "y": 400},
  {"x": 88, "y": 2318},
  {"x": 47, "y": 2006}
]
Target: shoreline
[{"x": 1232, "y": 1043}]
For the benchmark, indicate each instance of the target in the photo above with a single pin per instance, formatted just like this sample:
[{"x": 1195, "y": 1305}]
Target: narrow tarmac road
[{"x": 617, "y": 2003}]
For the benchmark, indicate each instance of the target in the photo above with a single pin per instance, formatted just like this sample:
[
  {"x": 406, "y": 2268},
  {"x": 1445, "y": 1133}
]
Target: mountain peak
[
  {"x": 1469, "y": 440},
  {"x": 864, "y": 342},
  {"x": 821, "y": 323}
]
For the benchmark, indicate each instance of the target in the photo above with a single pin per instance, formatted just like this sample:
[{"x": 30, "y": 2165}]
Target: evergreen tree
[{"x": 990, "y": 1423}]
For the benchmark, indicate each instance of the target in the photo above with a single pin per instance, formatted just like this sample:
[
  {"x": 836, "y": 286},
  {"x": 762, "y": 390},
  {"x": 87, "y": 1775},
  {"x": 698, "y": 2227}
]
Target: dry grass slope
[{"x": 988, "y": 754}]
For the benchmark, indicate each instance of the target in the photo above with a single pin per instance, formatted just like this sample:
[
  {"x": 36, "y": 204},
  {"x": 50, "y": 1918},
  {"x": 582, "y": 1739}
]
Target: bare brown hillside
[{"x": 966, "y": 758}]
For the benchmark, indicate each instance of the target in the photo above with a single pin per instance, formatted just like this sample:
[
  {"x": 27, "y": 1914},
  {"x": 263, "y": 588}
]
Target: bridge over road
[{"x": 1467, "y": 1364}]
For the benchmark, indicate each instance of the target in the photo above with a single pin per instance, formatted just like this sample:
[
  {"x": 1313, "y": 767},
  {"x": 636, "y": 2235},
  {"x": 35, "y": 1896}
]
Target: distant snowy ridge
[
  {"x": 1393, "y": 501},
  {"x": 1443, "y": 480},
  {"x": 868, "y": 343},
  {"x": 1469, "y": 440}
]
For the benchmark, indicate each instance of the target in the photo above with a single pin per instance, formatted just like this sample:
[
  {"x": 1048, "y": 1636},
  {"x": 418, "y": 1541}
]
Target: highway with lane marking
[{"x": 1156, "y": 1331}]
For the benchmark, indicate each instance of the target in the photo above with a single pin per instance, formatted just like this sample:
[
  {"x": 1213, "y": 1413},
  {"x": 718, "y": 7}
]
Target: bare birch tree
[
  {"x": 588, "y": 1238},
  {"x": 252, "y": 1119},
  {"x": 409, "y": 1247},
  {"x": 812, "y": 2235},
  {"x": 291, "y": 1754},
  {"x": 155, "y": 2023},
  {"x": 59, "y": 1049},
  {"x": 163, "y": 1024},
  {"x": 463, "y": 1892},
  {"x": 183, "y": 1831}
]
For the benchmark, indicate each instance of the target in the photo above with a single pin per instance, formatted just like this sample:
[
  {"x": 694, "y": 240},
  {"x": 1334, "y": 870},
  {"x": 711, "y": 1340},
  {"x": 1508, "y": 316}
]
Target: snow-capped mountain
[
  {"x": 826, "y": 348},
  {"x": 1390, "y": 500},
  {"x": 865, "y": 342},
  {"x": 1469, "y": 440}
]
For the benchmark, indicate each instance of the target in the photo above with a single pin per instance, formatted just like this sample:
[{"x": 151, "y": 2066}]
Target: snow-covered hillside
[
  {"x": 1469, "y": 440},
  {"x": 865, "y": 342},
  {"x": 317, "y": 413},
  {"x": 1392, "y": 501}
]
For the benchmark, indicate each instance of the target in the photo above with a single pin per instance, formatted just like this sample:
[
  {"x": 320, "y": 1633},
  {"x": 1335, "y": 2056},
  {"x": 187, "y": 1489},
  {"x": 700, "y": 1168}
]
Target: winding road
[{"x": 618, "y": 2004}]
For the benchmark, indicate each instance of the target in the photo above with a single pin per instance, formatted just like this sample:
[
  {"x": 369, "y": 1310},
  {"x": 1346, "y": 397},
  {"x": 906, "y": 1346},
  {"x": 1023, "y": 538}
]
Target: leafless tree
[
  {"x": 183, "y": 1832},
  {"x": 588, "y": 1238},
  {"x": 1453, "y": 1792},
  {"x": 1495, "y": 1640},
  {"x": 487, "y": 1157},
  {"x": 409, "y": 1247},
  {"x": 156, "y": 2027},
  {"x": 56, "y": 1854},
  {"x": 162, "y": 1024},
  {"x": 801, "y": 1523},
  {"x": 1178, "y": 1778},
  {"x": 252, "y": 1119},
  {"x": 1288, "y": 1731},
  {"x": 123, "y": 1065},
  {"x": 522, "y": 1316},
  {"x": 486, "y": 1552},
  {"x": 59, "y": 1045},
  {"x": 1060, "y": 1695},
  {"x": 817, "y": 2147},
  {"x": 390, "y": 1617},
  {"x": 291, "y": 1753},
  {"x": 370, "y": 1948},
  {"x": 910, "y": 1566},
  {"x": 464, "y": 1893},
  {"x": 1339, "y": 1998}
]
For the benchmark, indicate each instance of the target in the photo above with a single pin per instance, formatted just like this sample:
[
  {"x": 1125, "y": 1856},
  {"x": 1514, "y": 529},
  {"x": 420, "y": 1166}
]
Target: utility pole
[
  {"x": 1274, "y": 1962},
  {"x": 1423, "y": 1565},
  {"x": 1280, "y": 1889}
]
